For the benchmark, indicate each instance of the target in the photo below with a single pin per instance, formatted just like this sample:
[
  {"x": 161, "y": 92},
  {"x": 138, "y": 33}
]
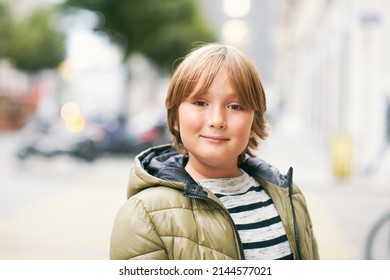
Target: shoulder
[{"x": 158, "y": 198}]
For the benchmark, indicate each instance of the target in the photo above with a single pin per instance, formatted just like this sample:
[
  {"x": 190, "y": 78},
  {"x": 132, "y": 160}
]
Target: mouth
[{"x": 215, "y": 139}]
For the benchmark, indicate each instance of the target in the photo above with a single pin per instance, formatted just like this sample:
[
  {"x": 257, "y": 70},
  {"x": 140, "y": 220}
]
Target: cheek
[
  {"x": 188, "y": 120},
  {"x": 243, "y": 126}
]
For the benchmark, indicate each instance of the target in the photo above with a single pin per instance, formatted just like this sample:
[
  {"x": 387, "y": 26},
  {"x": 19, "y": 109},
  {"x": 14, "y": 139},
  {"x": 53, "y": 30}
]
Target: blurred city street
[
  {"x": 59, "y": 208},
  {"x": 63, "y": 208},
  {"x": 324, "y": 66}
]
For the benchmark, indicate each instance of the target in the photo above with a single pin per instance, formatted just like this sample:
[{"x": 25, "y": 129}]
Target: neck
[{"x": 207, "y": 172}]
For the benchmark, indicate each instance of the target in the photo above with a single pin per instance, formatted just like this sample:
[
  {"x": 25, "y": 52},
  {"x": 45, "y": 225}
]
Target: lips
[{"x": 215, "y": 139}]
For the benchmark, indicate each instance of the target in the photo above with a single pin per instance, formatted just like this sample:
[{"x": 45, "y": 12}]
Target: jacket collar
[{"x": 165, "y": 163}]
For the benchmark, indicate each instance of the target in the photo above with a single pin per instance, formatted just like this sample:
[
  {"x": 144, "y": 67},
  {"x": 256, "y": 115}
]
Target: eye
[
  {"x": 199, "y": 103},
  {"x": 236, "y": 107}
]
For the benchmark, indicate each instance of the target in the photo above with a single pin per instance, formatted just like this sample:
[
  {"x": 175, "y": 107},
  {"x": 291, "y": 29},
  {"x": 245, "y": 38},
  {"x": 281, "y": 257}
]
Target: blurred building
[{"x": 332, "y": 68}]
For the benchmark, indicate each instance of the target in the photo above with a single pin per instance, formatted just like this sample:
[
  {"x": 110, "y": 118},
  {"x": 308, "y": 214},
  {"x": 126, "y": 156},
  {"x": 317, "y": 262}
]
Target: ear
[{"x": 252, "y": 134}]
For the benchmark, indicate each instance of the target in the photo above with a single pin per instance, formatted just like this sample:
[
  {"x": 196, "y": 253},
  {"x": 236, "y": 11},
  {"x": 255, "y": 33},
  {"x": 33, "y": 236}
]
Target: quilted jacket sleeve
[
  {"x": 308, "y": 241},
  {"x": 134, "y": 236}
]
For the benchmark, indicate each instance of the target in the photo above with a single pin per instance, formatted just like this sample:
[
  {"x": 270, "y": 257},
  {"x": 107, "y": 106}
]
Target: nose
[{"x": 217, "y": 118}]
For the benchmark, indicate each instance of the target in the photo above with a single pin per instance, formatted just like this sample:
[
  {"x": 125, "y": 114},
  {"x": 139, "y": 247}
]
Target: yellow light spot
[
  {"x": 76, "y": 125},
  {"x": 70, "y": 113}
]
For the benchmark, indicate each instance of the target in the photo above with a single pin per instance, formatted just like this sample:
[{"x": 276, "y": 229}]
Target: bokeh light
[
  {"x": 234, "y": 8},
  {"x": 70, "y": 113},
  {"x": 235, "y": 31}
]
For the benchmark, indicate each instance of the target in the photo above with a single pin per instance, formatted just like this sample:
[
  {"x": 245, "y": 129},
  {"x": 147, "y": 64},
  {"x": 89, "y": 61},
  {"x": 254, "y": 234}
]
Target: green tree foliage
[
  {"x": 31, "y": 43},
  {"x": 5, "y": 27},
  {"x": 162, "y": 30}
]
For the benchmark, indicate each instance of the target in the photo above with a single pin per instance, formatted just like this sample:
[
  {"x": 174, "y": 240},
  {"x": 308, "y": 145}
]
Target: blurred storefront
[
  {"x": 332, "y": 71},
  {"x": 17, "y": 103}
]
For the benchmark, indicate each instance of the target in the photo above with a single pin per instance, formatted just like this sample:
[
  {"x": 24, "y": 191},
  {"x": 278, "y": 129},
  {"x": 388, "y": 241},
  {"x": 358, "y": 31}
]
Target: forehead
[{"x": 220, "y": 81}]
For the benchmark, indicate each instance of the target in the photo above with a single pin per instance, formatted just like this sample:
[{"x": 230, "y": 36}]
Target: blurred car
[
  {"x": 99, "y": 137},
  {"x": 120, "y": 135},
  {"x": 55, "y": 139}
]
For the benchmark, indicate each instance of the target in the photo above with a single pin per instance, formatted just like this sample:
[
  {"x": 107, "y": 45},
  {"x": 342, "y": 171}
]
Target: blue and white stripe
[{"x": 256, "y": 217}]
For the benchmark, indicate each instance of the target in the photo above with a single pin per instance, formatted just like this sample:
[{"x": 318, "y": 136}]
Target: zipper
[
  {"x": 289, "y": 182},
  {"x": 195, "y": 191}
]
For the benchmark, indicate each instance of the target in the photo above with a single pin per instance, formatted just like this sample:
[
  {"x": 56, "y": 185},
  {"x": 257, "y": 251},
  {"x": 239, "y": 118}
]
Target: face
[{"x": 215, "y": 129}]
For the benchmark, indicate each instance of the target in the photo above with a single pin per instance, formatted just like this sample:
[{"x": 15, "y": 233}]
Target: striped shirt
[{"x": 256, "y": 217}]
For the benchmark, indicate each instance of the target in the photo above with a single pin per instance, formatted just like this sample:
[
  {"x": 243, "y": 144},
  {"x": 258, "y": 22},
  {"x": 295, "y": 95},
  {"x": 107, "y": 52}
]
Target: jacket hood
[{"x": 164, "y": 166}]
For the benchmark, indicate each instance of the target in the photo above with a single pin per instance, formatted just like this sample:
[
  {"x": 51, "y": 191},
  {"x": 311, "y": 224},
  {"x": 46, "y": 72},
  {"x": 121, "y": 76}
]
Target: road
[
  {"x": 59, "y": 208},
  {"x": 63, "y": 208}
]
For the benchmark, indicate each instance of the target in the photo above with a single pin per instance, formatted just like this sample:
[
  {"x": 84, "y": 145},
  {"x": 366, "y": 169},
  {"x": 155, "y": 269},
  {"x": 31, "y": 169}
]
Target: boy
[{"x": 207, "y": 196}]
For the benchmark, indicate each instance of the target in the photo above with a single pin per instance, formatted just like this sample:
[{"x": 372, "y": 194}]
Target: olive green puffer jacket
[{"x": 169, "y": 217}]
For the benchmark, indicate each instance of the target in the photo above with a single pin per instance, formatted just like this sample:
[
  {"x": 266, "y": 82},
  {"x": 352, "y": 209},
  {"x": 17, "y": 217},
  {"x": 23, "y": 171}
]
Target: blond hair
[{"x": 201, "y": 66}]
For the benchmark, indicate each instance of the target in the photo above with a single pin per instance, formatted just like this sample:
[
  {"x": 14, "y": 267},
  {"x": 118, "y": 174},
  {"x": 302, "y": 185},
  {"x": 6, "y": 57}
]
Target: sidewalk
[{"x": 59, "y": 208}]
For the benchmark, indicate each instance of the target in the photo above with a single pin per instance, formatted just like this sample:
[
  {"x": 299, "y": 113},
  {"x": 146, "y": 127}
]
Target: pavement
[
  {"x": 59, "y": 208},
  {"x": 63, "y": 208}
]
